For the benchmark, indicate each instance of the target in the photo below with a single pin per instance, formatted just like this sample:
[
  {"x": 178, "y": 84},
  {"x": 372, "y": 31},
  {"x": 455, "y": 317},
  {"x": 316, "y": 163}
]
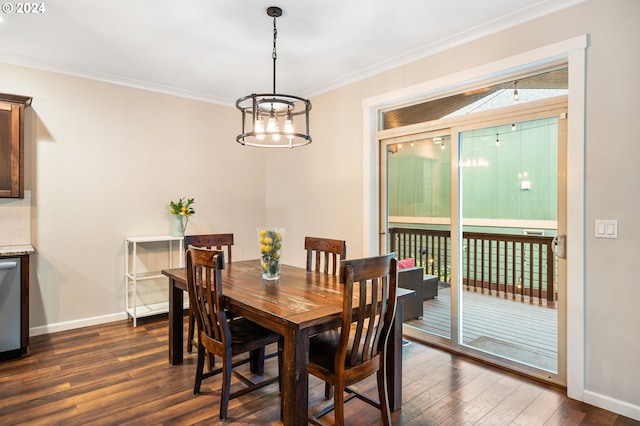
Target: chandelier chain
[{"x": 275, "y": 36}]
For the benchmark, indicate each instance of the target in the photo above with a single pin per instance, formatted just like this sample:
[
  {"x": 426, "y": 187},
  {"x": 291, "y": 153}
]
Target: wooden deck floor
[{"x": 516, "y": 330}]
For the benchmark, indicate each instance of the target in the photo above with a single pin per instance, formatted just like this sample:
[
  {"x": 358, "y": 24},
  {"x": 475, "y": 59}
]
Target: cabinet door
[{"x": 11, "y": 151}]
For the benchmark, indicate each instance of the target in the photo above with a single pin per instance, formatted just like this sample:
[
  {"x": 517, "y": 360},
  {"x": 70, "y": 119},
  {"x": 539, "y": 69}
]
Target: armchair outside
[{"x": 425, "y": 286}]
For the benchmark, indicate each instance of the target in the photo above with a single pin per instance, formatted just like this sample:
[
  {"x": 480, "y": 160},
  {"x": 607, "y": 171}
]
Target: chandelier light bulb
[
  {"x": 259, "y": 128},
  {"x": 288, "y": 127},
  {"x": 273, "y": 128},
  {"x": 288, "y": 124},
  {"x": 272, "y": 124}
]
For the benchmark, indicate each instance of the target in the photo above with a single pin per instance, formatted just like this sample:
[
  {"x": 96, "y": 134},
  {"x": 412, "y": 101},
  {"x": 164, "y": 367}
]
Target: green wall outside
[{"x": 419, "y": 184}]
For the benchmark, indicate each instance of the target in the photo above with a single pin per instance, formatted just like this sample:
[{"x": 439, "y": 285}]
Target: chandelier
[{"x": 273, "y": 120}]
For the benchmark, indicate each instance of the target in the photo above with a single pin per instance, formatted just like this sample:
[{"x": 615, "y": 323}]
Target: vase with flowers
[
  {"x": 181, "y": 211},
  {"x": 270, "y": 240}
]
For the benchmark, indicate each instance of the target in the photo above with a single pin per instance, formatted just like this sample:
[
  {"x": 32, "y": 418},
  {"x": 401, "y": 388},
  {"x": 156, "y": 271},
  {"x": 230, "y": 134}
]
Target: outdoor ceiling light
[{"x": 273, "y": 120}]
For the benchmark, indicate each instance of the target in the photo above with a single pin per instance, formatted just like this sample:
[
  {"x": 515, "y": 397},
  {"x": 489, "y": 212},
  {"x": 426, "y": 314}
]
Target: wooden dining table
[{"x": 301, "y": 302}]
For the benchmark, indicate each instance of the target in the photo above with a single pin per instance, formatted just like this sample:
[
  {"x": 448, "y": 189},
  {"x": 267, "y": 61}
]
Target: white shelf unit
[{"x": 136, "y": 273}]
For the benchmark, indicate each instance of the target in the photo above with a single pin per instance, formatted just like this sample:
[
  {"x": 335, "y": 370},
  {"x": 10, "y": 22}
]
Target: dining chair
[
  {"x": 212, "y": 241},
  {"x": 321, "y": 252},
  {"x": 216, "y": 334},
  {"x": 358, "y": 350}
]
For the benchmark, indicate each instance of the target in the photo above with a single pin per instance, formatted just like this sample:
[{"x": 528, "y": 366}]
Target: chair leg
[
  {"x": 257, "y": 361},
  {"x": 338, "y": 403},
  {"x": 211, "y": 361},
  {"x": 190, "y": 333},
  {"x": 226, "y": 386},
  {"x": 199, "y": 368},
  {"x": 383, "y": 398},
  {"x": 280, "y": 363},
  {"x": 328, "y": 391}
]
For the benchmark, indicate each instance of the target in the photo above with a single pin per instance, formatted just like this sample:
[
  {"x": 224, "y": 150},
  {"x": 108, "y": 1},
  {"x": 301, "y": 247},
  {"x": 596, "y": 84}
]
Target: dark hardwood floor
[{"x": 114, "y": 374}]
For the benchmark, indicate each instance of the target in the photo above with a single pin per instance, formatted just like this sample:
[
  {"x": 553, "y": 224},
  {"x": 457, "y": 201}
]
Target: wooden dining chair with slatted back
[
  {"x": 322, "y": 252},
  {"x": 212, "y": 241},
  {"x": 358, "y": 350},
  {"x": 217, "y": 335}
]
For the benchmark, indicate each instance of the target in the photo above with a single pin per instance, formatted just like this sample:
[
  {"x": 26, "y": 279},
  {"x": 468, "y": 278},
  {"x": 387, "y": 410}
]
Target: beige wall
[
  {"x": 104, "y": 161},
  {"x": 327, "y": 177}
]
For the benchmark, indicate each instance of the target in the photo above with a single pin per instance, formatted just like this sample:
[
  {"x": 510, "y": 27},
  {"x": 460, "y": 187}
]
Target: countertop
[{"x": 6, "y": 251}]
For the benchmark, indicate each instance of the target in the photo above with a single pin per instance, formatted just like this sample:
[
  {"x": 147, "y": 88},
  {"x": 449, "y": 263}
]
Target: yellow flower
[{"x": 182, "y": 207}]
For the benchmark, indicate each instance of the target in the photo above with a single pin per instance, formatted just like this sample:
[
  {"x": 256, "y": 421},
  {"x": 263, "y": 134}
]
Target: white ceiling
[{"x": 220, "y": 50}]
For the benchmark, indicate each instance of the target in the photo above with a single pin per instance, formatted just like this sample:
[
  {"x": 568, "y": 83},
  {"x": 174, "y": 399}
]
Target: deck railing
[{"x": 521, "y": 267}]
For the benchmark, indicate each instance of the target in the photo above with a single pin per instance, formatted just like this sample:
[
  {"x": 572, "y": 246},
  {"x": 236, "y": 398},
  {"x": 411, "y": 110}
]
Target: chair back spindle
[{"x": 324, "y": 252}]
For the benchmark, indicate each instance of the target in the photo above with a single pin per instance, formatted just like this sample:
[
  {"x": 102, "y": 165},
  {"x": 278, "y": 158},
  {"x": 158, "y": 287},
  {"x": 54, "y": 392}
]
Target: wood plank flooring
[
  {"x": 524, "y": 332},
  {"x": 114, "y": 374}
]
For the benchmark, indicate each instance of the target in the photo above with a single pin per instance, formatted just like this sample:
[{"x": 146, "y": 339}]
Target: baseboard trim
[
  {"x": 70, "y": 325},
  {"x": 621, "y": 407}
]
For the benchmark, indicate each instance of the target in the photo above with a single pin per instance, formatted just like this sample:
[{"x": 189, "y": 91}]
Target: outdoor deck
[{"x": 513, "y": 329}]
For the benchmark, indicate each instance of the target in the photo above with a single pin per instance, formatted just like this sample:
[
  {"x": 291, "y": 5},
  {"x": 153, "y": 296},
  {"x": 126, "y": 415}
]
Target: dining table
[{"x": 298, "y": 304}]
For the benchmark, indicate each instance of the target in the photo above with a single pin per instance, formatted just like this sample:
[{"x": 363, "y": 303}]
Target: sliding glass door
[
  {"x": 509, "y": 190},
  {"x": 416, "y": 206},
  {"x": 479, "y": 206}
]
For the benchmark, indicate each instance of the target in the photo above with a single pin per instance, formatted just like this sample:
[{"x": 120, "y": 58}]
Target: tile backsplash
[{"x": 15, "y": 220}]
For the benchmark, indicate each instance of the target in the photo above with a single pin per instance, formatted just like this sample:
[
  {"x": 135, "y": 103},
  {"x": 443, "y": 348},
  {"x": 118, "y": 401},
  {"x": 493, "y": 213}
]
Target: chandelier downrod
[{"x": 275, "y": 12}]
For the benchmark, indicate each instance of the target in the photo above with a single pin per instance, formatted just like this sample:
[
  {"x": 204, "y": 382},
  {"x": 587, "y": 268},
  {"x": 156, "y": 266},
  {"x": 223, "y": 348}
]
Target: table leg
[
  {"x": 176, "y": 320},
  {"x": 394, "y": 361},
  {"x": 256, "y": 365},
  {"x": 294, "y": 378}
]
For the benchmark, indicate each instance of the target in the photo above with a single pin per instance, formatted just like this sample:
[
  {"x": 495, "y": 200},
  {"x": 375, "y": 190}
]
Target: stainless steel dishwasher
[{"x": 10, "y": 307}]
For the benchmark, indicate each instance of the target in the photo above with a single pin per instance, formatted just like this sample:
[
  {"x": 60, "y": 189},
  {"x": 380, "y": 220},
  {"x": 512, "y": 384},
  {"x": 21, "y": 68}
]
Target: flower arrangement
[
  {"x": 181, "y": 211},
  {"x": 270, "y": 247},
  {"x": 182, "y": 207}
]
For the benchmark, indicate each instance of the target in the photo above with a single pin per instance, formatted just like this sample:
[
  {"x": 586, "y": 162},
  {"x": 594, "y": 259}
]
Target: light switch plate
[{"x": 606, "y": 228}]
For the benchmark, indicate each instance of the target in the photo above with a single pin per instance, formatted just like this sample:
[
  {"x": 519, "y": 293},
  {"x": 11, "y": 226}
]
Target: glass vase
[{"x": 270, "y": 241}]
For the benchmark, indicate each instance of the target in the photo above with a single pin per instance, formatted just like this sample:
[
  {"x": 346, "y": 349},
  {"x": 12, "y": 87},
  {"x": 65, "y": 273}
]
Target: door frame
[{"x": 573, "y": 52}]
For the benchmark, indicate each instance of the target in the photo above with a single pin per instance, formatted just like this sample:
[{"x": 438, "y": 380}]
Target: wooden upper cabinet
[{"x": 12, "y": 145}]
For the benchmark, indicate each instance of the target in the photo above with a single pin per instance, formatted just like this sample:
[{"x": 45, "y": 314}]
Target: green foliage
[{"x": 183, "y": 206}]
